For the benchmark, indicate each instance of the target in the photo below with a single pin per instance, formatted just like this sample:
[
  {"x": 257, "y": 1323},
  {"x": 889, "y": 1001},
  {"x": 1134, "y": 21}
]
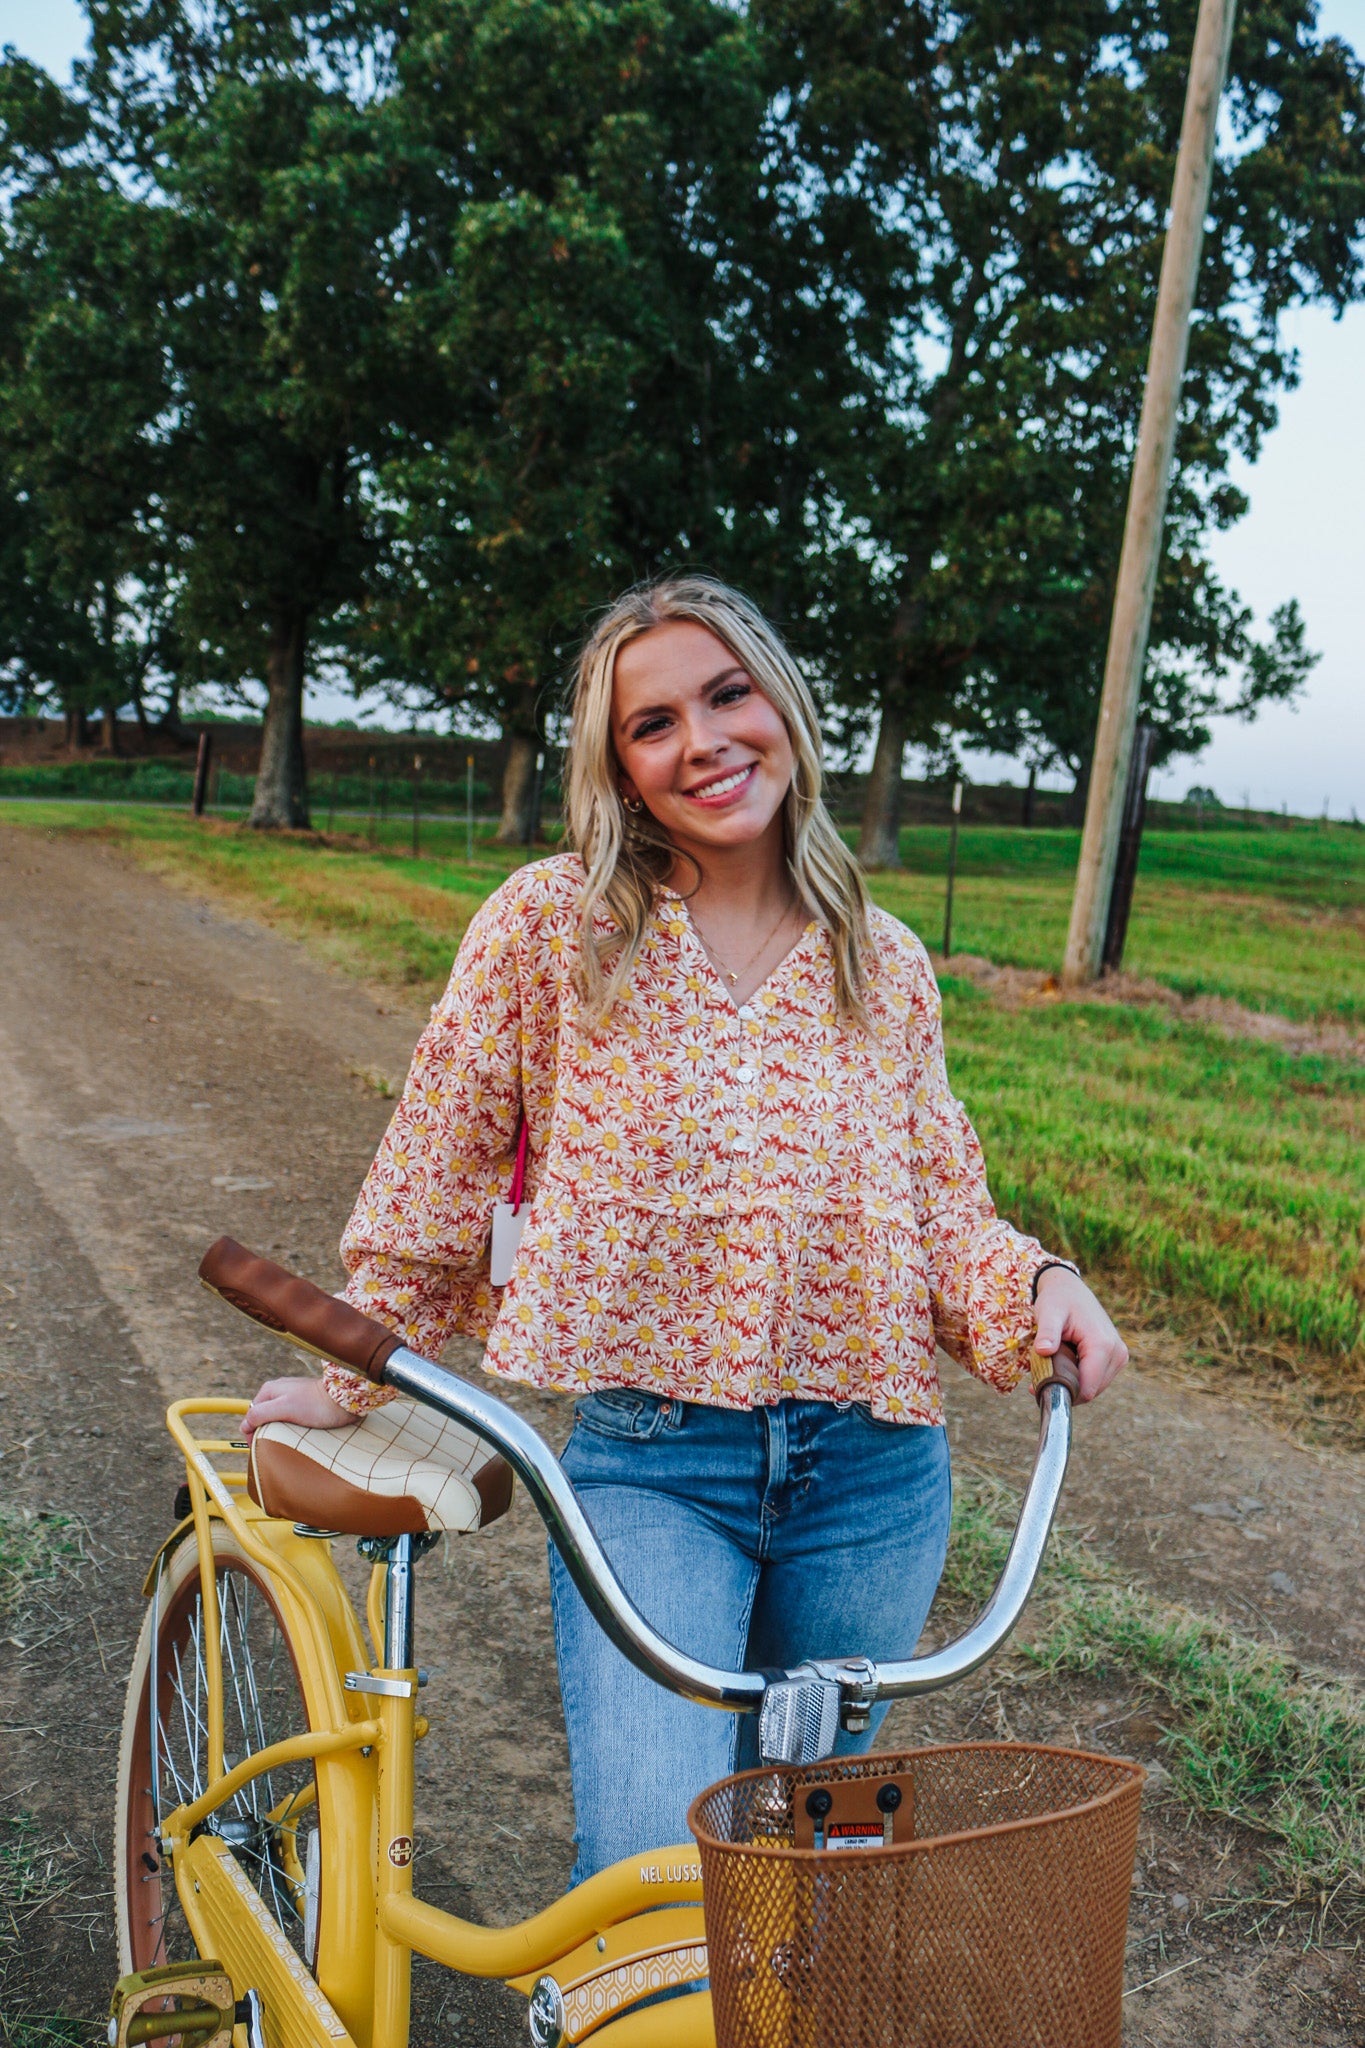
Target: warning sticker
[{"x": 855, "y": 1834}]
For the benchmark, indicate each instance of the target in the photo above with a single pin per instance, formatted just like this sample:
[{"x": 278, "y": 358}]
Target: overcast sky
[{"x": 1304, "y": 536}]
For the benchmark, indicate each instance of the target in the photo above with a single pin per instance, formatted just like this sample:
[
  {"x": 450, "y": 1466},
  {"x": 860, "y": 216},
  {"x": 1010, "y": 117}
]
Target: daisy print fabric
[{"x": 734, "y": 1205}]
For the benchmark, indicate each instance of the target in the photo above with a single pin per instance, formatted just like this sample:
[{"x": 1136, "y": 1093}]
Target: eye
[
  {"x": 647, "y": 727},
  {"x": 732, "y": 693}
]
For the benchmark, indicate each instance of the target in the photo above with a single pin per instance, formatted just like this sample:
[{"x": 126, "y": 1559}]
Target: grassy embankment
[{"x": 1229, "y": 1173}]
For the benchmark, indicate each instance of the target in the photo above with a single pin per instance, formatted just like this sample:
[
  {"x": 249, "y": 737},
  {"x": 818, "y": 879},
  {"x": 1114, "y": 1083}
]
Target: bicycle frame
[
  {"x": 602, "y": 1935},
  {"x": 608, "y": 1940}
]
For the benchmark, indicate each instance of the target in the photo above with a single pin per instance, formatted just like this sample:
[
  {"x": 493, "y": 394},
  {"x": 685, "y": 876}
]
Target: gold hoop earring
[{"x": 633, "y": 804}]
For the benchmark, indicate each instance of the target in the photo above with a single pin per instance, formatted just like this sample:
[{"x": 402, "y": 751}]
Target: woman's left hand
[{"x": 1068, "y": 1313}]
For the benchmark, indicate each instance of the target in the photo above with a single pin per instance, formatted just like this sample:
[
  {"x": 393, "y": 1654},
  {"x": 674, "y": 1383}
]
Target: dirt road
[{"x": 167, "y": 1074}]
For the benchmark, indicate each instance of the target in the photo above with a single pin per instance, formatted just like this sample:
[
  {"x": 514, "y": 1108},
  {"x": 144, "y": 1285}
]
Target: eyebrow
[{"x": 736, "y": 668}]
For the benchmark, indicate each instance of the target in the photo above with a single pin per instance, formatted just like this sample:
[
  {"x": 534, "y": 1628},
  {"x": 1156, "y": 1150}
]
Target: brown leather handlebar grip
[
  {"x": 1059, "y": 1371},
  {"x": 296, "y": 1310}
]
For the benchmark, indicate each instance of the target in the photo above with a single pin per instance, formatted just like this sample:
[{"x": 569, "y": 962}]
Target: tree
[
  {"x": 641, "y": 344},
  {"x": 80, "y": 384},
  {"x": 1010, "y": 168},
  {"x": 593, "y": 160},
  {"x": 269, "y": 160}
]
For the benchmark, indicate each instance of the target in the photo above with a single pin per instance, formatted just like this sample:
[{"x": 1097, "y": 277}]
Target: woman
[{"x": 757, "y": 1206}]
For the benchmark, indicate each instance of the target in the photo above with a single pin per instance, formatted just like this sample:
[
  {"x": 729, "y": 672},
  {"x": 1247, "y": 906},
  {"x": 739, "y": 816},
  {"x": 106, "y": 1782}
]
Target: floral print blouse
[{"x": 728, "y": 1204}]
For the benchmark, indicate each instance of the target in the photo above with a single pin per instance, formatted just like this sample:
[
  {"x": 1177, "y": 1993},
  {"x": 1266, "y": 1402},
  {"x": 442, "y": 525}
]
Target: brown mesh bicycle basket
[{"x": 996, "y": 1917}]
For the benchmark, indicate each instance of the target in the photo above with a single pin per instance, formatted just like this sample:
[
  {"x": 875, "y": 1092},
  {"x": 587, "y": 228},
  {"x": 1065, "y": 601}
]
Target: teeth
[{"x": 724, "y": 786}]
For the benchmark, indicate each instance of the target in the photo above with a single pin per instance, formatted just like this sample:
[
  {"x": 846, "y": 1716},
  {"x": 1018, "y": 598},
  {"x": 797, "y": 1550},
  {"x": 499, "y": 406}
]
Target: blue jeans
[{"x": 749, "y": 1538}]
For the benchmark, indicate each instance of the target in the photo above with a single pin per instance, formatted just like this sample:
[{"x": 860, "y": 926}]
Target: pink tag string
[{"x": 519, "y": 1170}]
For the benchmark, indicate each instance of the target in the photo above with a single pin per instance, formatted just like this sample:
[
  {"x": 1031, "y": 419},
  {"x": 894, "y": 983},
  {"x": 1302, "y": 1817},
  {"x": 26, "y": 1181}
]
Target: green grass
[
  {"x": 33, "y": 1549},
  {"x": 1251, "y": 1738},
  {"x": 32, "y": 1880},
  {"x": 1227, "y": 1173},
  {"x": 1270, "y": 918},
  {"x": 376, "y": 913},
  {"x": 1273, "y": 919}
]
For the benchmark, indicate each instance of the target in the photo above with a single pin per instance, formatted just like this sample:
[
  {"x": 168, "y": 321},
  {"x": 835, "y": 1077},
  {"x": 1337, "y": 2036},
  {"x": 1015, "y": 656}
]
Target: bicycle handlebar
[{"x": 800, "y": 1709}]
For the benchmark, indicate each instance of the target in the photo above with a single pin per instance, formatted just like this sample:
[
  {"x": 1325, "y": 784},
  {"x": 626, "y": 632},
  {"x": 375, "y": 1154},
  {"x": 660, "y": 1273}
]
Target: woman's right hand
[{"x": 295, "y": 1400}]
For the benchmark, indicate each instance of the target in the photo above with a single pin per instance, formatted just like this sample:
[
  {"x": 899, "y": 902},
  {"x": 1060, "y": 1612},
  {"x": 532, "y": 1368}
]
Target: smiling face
[{"x": 697, "y": 741}]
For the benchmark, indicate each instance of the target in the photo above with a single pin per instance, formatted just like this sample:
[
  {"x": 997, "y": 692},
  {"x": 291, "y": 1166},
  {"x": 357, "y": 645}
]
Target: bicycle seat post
[{"x": 398, "y": 1604}]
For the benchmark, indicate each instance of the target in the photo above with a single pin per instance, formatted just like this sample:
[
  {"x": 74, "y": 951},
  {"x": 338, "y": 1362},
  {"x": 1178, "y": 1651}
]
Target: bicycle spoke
[
  {"x": 229, "y": 1657},
  {"x": 261, "y": 1705}
]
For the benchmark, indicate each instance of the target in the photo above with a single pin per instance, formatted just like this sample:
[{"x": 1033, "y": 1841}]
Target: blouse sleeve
[
  {"x": 981, "y": 1271},
  {"x": 416, "y": 1246}
]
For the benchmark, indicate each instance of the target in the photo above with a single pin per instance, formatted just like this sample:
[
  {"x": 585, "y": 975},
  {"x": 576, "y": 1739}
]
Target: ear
[{"x": 628, "y": 793}]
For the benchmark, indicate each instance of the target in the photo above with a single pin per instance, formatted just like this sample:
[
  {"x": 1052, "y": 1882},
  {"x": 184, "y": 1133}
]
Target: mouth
[{"x": 722, "y": 789}]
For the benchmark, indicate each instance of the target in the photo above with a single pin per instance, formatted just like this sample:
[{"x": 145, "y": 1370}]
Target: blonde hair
[{"x": 627, "y": 856}]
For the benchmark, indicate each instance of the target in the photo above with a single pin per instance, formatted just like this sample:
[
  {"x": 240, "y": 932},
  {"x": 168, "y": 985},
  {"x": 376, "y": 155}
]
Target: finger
[
  {"x": 270, "y": 1405},
  {"x": 1051, "y": 1327},
  {"x": 1101, "y": 1363}
]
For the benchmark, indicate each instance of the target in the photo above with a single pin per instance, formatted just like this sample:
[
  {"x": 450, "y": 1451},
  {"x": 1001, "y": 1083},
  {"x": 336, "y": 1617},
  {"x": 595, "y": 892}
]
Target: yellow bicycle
[{"x": 264, "y": 1846}]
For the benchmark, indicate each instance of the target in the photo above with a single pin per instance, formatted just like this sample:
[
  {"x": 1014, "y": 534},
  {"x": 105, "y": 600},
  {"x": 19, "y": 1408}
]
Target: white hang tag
[{"x": 508, "y": 1224}]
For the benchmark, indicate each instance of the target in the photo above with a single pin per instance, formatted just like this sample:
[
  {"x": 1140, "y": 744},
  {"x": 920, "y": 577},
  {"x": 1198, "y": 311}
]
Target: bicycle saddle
[{"x": 400, "y": 1470}]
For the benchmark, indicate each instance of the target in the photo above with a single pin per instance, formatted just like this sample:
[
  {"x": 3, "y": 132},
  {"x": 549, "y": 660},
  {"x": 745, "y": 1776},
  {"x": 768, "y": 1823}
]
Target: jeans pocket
[
  {"x": 629, "y": 1414},
  {"x": 863, "y": 1411}
]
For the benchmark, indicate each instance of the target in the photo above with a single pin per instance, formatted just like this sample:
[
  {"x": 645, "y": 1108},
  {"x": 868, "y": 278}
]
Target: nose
[{"x": 703, "y": 735}]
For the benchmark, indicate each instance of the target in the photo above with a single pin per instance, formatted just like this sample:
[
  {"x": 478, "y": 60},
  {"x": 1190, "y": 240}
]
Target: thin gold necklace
[{"x": 732, "y": 974}]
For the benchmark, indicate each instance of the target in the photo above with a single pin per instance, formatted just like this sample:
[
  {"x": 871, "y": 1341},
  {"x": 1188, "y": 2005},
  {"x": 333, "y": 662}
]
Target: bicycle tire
[{"x": 272, "y": 1824}]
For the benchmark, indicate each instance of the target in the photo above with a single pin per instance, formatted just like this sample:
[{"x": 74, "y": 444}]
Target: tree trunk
[
  {"x": 521, "y": 730},
  {"x": 169, "y": 720},
  {"x": 109, "y": 729},
  {"x": 73, "y": 722},
  {"x": 281, "y": 798},
  {"x": 1075, "y": 803},
  {"x": 879, "y": 836},
  {"x": 518, "y": 790},
  {"x": 1029, "y": 795}
]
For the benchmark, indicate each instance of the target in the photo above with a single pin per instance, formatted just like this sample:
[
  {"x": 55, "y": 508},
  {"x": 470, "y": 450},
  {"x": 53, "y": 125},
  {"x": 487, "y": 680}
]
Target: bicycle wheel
[{"x": 271, "y": 1825}]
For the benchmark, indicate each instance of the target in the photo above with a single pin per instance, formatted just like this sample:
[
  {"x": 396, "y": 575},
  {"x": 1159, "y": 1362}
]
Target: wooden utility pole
[{"x": 1146, "y": 517}]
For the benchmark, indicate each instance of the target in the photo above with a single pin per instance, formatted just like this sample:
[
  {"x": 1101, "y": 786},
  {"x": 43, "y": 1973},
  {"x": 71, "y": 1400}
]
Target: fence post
[
  {"x": 952, "y": 871},
  {"x": 533, "y": 812},
  {"x": 202, "y": 762},
  {"x": 1130, "y": 845}
]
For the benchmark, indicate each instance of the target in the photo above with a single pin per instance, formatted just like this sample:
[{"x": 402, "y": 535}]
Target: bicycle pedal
[{"x": 193, "y": 2002}]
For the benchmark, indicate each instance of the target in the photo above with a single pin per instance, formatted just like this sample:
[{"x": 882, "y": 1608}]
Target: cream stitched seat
[{"x": 397, "y": 1471}]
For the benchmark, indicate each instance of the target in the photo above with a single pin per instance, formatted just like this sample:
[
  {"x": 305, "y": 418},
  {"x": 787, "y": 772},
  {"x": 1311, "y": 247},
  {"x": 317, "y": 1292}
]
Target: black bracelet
[{"x": 1052, "y": 1266}]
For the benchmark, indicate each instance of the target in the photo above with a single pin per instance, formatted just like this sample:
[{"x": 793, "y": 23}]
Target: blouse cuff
[{"x": 358, "y": 1396}]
